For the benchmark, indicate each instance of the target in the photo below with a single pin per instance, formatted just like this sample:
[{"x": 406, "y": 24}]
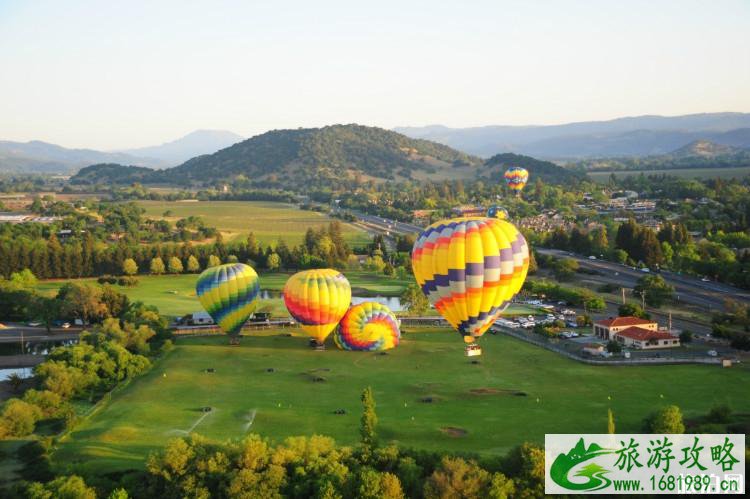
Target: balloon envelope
[
  {"x": 516, "y": 178},
  {"x": 496, "y": 211},
  {"x": 317, "y": 299},
  {"x": 229, "y": 293},
  {"x": 368, "y": 326},
  {"x": 470, "y": 268}
]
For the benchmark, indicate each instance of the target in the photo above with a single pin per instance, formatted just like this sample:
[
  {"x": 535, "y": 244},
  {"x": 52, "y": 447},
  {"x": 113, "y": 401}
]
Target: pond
[{"x": 24, "y": 372}]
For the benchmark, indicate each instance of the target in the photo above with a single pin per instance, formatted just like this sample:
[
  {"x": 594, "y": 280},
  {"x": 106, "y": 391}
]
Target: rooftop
[
  {"x": 640, "y": 334},
  {"x": 623, "y": 321}
]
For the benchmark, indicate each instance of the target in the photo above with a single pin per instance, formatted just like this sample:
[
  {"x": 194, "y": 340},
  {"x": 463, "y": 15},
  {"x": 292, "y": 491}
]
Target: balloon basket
[
  {"x": 473, "y": 350},
  {"x": 235, "y": 342},
  {"x": 318, "y": 347}
]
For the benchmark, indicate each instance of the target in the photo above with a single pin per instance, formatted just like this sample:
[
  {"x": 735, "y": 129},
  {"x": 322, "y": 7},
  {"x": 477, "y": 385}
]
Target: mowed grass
[
  {"x": 739, "y": 172},
  {"x": 559, "y": 396},
  {"x": 269, "y": 221},
  {"x": 174, "y": 295}
]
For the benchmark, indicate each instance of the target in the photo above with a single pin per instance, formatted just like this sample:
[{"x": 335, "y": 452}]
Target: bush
[
  {"x": 719, "y": 414},
  {"x": 107, "y": 279},
  {"x": 128, "y": 281}
]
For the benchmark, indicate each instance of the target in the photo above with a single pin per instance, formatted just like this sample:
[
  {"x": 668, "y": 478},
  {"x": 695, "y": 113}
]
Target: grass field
[
  {"x": 558, "y": 396},
  {"x": 269, "y": 221},
  {"x": 603, "y": 177},
  {"x": 174, "y": 295}
]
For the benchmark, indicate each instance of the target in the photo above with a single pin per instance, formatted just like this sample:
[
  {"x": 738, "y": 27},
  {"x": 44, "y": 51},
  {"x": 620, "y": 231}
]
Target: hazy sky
[{"x": 117, "y": 74}]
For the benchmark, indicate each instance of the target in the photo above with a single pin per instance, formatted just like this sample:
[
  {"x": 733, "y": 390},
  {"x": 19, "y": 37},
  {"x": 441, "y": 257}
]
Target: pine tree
[
  {"x": 192, "y": 264},
  {"x": 368, "y": 424}
]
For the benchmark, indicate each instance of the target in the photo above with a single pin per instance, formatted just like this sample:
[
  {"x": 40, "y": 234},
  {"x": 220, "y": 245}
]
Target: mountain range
[
  {"x": 307, "y": 158},
  {"x": 42, "y": 157},
  {"x": 632, "y": 136}
]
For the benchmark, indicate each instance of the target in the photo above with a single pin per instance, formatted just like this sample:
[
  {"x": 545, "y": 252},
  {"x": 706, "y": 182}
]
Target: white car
[
  {"x": 645, "y": 270},
  {"x": 706, "y": 279},
  {"x": 712, "y": 353},
  {"x": 592, "y": 257}
]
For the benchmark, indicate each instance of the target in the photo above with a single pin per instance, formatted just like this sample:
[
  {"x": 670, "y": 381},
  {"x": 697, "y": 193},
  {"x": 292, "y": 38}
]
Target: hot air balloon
[
  {"x": 470, "y": 268},
  {"x": 368, "y": 326},
  {"x": 229, "y": 293},
  {"x": 496, "y": 211},
  {"x": 516, "y": 178},
  {"x": 317, "y": 299}
]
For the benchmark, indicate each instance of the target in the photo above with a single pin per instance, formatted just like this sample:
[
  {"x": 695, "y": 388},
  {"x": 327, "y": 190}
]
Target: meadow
[
  {"x": 739, "y": 172},
  {"x": 269, "y": 221},
  {"x": 429, "y": 396}
]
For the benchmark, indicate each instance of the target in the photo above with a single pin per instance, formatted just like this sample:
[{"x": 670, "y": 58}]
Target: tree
[
  {"x": 157, "y": 266},
  {"x": 64, "y": 487},
  {"x": 414, "y": 299},
  {"x": 214, "y": 261},
  {"x": 129, "y": 267},
  {"x": 565, "y": 268},
  {"x": 632, "y": 310},
  {"x": 15, "y": 381},
  {"x": 193, "y": 265},
  {"x": 614, "y": 347},
  {"x": 686, "y": 337},
  {"x": 610, "y": 422},
  {"x": 368, "y": 425},
  {"x": 175, "y": 265},
  {"x": 18, "y": 418},
  {"x": 456, "y": 477},
  {"x": 654, "y": 290},
  {"x": 666, "y": 420},
  {"x": 273, "y": 262},
  {"x": 501, "y": 487},
  {"x": 46, "y": 309},
  {"x": 82, "y": 301}
]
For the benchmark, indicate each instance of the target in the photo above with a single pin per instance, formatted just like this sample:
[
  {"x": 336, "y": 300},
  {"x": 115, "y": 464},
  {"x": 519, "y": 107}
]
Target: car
[
  {"x": 706, "y": 279},
  {"x": 65, "y": 325},
  {"x": 712, "y": 353},
  {"x": 34, "y": 324},
  {"x": 592, "y": 257},
  {"x": 645, "y": 270},
  {"x": 571, "y": 324}
]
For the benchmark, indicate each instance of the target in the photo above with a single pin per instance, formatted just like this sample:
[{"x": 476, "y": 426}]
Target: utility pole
[
  {"x": 623, "y": 295},
  {"x": 23, "y": 352},
  {"x": 643, "y": 299}
]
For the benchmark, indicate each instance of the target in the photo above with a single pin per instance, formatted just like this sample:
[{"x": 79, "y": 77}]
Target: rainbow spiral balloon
[
  {"x": 470, "y": 268},
  {"x": 317, "y": 299},
  {"x": 229, "y": 293},
  {"x": 516, "y": 178},
  {"x": 368, "y": 327}
]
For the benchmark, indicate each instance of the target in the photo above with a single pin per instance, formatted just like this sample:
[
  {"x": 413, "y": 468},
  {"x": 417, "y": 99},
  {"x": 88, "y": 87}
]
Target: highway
[
  {"x": 14, "y": 333},
  {"x": 691, "y": 290}
]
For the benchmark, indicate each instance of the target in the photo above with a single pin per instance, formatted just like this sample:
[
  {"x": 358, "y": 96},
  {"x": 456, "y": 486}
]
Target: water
[{"x": 24, "y": 372}]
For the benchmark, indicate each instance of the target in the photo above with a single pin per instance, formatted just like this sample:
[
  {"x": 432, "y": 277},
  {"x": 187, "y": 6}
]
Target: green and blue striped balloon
[{"x": 229, "y": 293}]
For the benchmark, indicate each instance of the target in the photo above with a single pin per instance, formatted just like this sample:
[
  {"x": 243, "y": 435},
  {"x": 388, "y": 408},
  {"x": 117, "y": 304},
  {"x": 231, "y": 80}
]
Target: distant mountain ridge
[
  {"x": 42, "y": 157},
  {"x": 630, "y": 136},
  {"x": 193, "y": 144},
  {"x": 306, "y": 157}
]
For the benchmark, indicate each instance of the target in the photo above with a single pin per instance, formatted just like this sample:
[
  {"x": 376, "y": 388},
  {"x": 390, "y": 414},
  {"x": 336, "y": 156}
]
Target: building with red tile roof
[
  {"x": 641, "y": 338},
  {"x": 606, "y": 329}
]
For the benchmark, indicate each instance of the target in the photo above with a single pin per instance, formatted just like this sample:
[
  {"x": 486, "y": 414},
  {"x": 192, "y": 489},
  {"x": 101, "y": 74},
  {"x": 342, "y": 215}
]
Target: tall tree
[{"x": 368, "y": 425}]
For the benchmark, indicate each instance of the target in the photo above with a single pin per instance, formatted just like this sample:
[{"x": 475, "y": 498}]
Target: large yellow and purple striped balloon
[
  {"x": 470, "y": 268},
  {"x": 516, "y": 178},
  {"x": 229, "y": 293},
  {"x": 368, "y": 326},
  {"x": 317, "y": 299}
]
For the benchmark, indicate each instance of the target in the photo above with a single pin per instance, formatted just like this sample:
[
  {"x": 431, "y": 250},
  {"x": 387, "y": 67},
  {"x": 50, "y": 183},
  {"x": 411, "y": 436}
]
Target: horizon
[{"x": 122, "y": 76}]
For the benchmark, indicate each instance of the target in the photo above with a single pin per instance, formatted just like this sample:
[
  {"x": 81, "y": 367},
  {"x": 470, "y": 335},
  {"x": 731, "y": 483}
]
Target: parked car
[
  {"x": 592, "y": 257},
  {"x": 65, "y": 325},
  {"x": 34, "y": 324},
  {"x": 645, "y": 270},
  {"x": 712, "y": 353},
  {"x": 571, "y": 324}
]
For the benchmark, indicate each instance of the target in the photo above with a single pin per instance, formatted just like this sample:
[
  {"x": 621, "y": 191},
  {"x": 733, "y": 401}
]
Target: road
[
  {"x": 708, "y": 295},
  {"x": 14, "y": 333}
]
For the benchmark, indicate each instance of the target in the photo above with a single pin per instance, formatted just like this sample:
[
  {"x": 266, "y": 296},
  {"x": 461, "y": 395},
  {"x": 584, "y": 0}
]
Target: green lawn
[
  {"x": 739, "y": 172},
  {"x": 174, "y": 295},
  {"x": 559, "y": 396},
  {"x": 269, "y": 221}
]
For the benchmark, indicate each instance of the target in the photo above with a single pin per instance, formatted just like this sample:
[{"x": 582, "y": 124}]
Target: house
[
  {"x": 469, "y": 211},
  {"x": 606, "y": 329},
  {"x": 197, "y": 319},
  {"x": 644, "y": 339}
]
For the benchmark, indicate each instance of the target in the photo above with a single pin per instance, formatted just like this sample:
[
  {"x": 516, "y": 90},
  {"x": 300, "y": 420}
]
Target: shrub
[{"x": 128, "y": 281}]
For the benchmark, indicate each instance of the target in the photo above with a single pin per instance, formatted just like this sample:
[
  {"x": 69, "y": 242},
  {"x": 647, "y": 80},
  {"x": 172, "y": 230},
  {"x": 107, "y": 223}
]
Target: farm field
[
  {"x": 269, "y": 221},
  {"x": 518, "y": 392},
  {"x": 603, "y": 177}
]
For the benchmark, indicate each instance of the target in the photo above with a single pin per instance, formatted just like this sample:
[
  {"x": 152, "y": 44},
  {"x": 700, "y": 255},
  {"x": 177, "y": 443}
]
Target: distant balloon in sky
[
  {"x": 496, "y": 211},
  {"x": 516, "y": 178},
  {"x": 317, "y": 299},
  {"x": 470, "y": 268},
  {"x": 368, "y": 326},
  {"x": 229, "y": 293}
]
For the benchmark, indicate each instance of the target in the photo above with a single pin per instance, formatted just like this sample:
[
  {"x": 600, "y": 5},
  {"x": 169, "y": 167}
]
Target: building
[
  {"x": 644, "y": 339},
  {"x": 197, "y": 319},
  {"x": 607, "y": 328},
  {"x": 469, "y": 211}
]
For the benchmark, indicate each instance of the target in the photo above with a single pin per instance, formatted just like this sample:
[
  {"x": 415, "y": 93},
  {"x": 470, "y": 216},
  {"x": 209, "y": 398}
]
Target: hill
[
  {"x": 193, "y": 144},
  {"x": 309, "y": 157},
  {"x": 631, "y": 136},
  {"x": 111, "y": 173},
  {"x": 41, "y": 157},
  {"x": 544, "y": 170},
  {"x": 706, "y": 149}
]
